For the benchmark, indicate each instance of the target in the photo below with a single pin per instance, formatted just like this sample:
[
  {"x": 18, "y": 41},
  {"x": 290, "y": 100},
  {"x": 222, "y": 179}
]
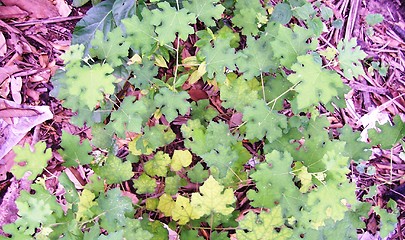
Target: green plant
[{"x": 135, "y": 77}]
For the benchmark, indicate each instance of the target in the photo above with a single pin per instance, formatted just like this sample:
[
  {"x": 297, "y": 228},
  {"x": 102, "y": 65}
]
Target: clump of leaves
[{"x": 188, "y": 93}]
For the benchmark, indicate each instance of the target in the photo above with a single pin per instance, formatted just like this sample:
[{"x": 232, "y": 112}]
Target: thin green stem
[
  {"x": 285, "y": 92},
  {"x": 262, "y": 80},
  {"x": 177, "y": 63}
]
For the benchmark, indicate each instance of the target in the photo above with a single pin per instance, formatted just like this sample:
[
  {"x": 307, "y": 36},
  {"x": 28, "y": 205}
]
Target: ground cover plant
[{"x": 210, "y": 119}]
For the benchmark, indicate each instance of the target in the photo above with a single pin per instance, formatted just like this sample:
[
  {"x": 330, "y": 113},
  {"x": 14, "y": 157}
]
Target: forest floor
[{"x": 33, "y": 37}]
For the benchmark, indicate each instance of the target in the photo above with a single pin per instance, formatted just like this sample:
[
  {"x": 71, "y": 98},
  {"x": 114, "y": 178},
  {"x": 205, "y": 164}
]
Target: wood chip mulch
[{"x": 31, "y": 48}]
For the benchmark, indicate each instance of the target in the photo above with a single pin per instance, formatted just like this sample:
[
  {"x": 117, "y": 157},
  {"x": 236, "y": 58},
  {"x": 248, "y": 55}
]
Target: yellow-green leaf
[
  {"x": 305, "y": 178},
  {"x": 183, "y": 211},
  {"x": 86, "y": 202},
  {"x": 181, "y": 158},
  {"x": 158, "y": 166},
  {"x": 213, "y": 199},
  {"x": 166, "y": 204},
  {"x": 33, "y": 162}
]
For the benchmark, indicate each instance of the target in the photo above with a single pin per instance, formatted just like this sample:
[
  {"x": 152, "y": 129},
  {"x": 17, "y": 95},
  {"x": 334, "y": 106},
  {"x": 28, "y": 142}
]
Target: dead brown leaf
[
  {"x": 5, "y": 88},
  {"x": 63, "y": 8},
  {"x": 16, "y": 120},
  {"x": 16, "y": 85},
  {"x": 3, "y": 45},
  {"x": 33, "y": 94},
  {"x": 36, "y": 9},
  {"x": 7, "y": 12},
  {"x": 7, "y": 71}
]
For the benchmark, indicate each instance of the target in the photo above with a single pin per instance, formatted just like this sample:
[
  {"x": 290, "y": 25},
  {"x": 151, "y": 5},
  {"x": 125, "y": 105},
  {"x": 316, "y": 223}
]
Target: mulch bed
[{"x": 34, "y": 46}]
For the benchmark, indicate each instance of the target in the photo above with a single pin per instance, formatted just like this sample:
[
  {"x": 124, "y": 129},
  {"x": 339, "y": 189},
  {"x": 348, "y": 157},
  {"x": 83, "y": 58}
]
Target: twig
[
  {"x": 45, "y": 21},
  {"x": 9, "y": 28},
  {"x": 29, "y": 72},
  {"x": 366, "y": 88},
  {"x": 353, "y": 14}
]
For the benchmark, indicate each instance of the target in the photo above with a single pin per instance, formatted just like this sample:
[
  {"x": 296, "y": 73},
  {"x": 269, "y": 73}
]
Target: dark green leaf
[
  {"x": 282, "y": 13},
  {"x": 97, "y": 18}
]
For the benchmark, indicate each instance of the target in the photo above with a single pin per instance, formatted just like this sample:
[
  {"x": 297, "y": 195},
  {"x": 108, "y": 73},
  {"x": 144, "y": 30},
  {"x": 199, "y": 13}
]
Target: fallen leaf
[
  {"x": 62, "y": 45},
  {"x": 32, "y": 94},
  {"x": 132, "y": 196},
  {"x": 7, "y": 71},
  {"x": 197, "y": 94},
  {"x": 7, "y": 12},
  {"x": 16, "y": 85},
  {"x": 43, "y": 60},
  {"x": 6, "y": 163},
  {"x": 18, "y": 112},
  {"x": 63, "y": 8},
  {"x": 3, "y": 45},
  {"x": 8, "y": 207},
  {"x": 37, "y": 8},
  {"x": 5, "y": 88},
  {"x": 23, "y": 119}
]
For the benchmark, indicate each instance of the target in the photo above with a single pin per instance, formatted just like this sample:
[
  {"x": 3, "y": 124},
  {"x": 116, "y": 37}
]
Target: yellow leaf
[
  {"x": 135, "y": 59},
  {"x": 181, "y": 158},
  {"x": 213, "y": 199},
  {"x": 160, "y": 61},
  {"x": 183, "y": 211},
  {"x": 166, "y": 205},
  {"x": 196, "y": 75},
  {"x": 306, "y": 179},
  {"x": 190, "y": 61},
  {"x": 132, "y": 147},
  {"x": 86, "y": 202}
]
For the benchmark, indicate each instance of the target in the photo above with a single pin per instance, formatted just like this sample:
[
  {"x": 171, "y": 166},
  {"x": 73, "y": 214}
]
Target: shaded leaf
[
  {"x": 261, "y": 121},
  {"x": 115, "y": 207},
  {"x": 291, "y": 43},
  {"x": 246, "y": 16},
  {"x": 354, "y": 148},
  {"x": 218, "y": 57},
  {"x": 115, "y": 170},
  {"x": 171, "y": 103},
  {"x": 266, "y": 225},
  {"x": 140, "y": 34},
  {"x": 388, "y": 135},
  {"x": 71, "y": 153},
  {"x": 197, "y": 174},
  {"x": 282, "y": 13}
]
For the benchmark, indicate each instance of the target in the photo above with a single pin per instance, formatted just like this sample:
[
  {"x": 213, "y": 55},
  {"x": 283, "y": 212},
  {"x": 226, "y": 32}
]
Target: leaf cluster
[{"x": 188, "y": 95}]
